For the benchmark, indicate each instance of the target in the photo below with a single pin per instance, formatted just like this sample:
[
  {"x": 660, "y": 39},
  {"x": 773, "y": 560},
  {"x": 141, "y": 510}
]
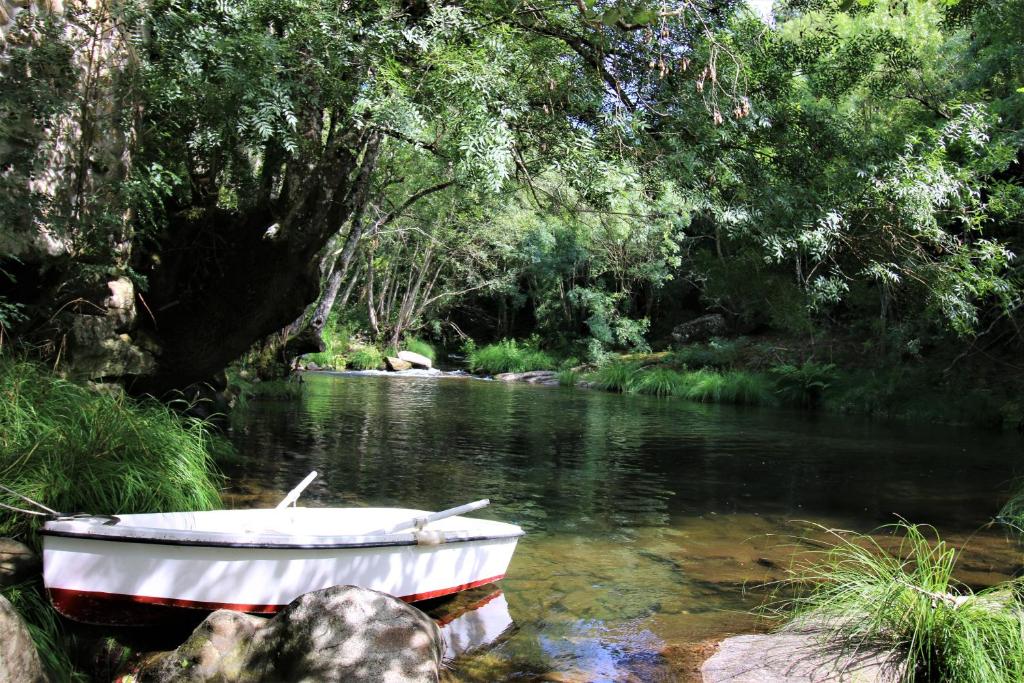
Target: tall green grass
[
  {"x": 508, "y": 356},
  {"x": 616, "y": 376},
  {"x": 366, "y": 358},
  {"x": 417, "y": 345},
  {"x": 336, "y": 337},
  {"x": 659, "y": 382},
  {"x": 76, "y": 450},
  {"x": 858, "y": 594}
]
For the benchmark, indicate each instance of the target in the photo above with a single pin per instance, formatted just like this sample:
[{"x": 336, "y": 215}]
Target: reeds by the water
[
  {"x": 508, "y": 356},
  {"x": 77, "y": 450},
  {"x": 859, "y": 594}
]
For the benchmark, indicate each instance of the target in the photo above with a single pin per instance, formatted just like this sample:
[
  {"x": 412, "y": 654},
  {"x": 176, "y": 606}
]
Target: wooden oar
[
  {"x": 420, "y": 522},
  {"x": 294, "y": 494}
]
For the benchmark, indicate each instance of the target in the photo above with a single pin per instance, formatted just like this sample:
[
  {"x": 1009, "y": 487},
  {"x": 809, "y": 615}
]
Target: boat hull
[{"x": 128, "y": 581}]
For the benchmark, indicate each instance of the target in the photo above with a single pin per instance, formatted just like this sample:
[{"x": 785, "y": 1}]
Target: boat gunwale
[{"x": 354, "y": 542}]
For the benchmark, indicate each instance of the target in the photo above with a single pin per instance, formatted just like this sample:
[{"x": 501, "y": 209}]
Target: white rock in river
[{"x": 416, "y": 359}]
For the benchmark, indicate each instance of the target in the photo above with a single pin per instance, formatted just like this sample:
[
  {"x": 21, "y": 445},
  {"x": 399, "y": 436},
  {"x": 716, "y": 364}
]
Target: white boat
[{"x": 104, "y": 569}]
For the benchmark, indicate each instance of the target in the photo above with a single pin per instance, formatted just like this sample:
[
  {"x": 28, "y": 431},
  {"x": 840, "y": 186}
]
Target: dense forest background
[{"x": 188, "y": 183}]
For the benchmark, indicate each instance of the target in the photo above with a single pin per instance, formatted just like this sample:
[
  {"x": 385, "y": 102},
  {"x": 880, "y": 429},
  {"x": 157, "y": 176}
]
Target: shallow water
[{"x": 650, "y": 522}]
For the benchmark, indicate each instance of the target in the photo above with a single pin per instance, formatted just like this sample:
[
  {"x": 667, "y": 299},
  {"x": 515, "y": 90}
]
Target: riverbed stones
[
  {"x": 792, "y": 657},
  {"x": 19, "y": 660},
  {"x": 416, "y": 360},
  {"x": 343, "y": 633},
  {"x": 397, "y": 364},
  {"x": 17, "y": 562}
]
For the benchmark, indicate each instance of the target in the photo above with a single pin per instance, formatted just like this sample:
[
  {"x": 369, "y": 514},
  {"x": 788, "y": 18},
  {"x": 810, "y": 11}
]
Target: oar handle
[
  {"x": 420, "y": 522},
  {"x": 294, "y": 494}
]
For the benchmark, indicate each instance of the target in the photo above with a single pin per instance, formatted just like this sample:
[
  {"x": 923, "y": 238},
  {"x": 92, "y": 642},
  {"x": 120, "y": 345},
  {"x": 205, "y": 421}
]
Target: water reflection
[{"x": 649, "y": 521}]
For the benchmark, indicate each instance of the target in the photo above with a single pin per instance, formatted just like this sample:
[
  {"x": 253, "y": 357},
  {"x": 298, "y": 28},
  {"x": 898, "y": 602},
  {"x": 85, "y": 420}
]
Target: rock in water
[
  {"x": 700, "y": 329},
  {"x": 416, "y": 359},
  {"x": 19, "y": 660},
  {"x": 396, "y": 364},
  {"x": 17, "y": 562},
  {"x": 791, "y": 657},
  {"x": 548, "y": 378},
  {"x": 347, "y": 633},
  {"x": 343, "y": 633}
]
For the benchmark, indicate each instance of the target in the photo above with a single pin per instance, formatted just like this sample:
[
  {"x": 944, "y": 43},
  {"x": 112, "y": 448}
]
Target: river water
[{"x": 651, "y": 523}]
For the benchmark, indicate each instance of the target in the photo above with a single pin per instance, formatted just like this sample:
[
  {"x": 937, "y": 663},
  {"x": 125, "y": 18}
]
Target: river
[{"x": 651, "y": 523}]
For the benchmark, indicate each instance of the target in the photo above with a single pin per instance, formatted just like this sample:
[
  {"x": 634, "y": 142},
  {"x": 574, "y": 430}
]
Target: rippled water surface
[{"x": 650, "y": 522}]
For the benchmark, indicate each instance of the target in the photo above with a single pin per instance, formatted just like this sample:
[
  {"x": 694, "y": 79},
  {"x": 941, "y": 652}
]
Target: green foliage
[
  {"x": 76, "y": 450},
  {"x": 717, "y": 354},
  {"x": 30, "y": 602},
  {"x": 366, "y": 358},
  {"x": 421, "y": 347},
  {"x": 804, "y": 385},
  {"x": 908, "y": 600},
  {"x": 660, "y": 382},
  {"x": 616, "y": 376},
  {"x": 509, "y": 356},
  {"x": 568, "y": 377}
]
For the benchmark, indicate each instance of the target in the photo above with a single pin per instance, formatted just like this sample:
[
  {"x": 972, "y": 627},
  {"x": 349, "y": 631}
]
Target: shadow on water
[{"x": 649, "y": 521}]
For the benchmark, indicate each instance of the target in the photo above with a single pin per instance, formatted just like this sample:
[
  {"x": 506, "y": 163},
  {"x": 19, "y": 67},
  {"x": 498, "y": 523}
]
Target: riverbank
[{"x": 774, "y": 371}]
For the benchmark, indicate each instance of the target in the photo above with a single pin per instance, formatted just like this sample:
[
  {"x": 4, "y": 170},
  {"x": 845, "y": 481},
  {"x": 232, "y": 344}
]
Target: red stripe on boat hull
[{"x": 96, "y": 607}]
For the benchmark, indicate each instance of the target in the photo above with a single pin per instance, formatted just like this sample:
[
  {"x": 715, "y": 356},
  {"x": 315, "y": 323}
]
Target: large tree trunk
[{"x": 224, "y": 282}]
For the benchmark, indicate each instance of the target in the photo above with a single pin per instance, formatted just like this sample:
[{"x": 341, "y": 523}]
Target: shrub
[
  {"x": 366, "y": 358},
  {"x": 859, "y": 593},
  {"x": 508, "y": 356},
  {"x": 615, "y": 376},
  {"x": 804, "y": 385}
]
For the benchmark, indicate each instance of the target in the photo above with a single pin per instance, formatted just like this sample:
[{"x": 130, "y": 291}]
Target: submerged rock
[
  {"x": 17, "y": 562},
  {"x": 547, "y": 378},
  {"x": 343, "y": 633},
  {"x": 397, "y": 364},
  {"x": 19, "y": 660},
  {"x": 791, "y": 657}
]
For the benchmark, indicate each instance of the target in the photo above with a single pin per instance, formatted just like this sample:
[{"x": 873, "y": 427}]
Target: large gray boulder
[
  {"x": 700, "y": 329},
  {"x": 17, "y": 562},
  {"x": 342, "y": 633},
  {"x": 792, "y": 657},
  {"x": 19, "y": 660}
]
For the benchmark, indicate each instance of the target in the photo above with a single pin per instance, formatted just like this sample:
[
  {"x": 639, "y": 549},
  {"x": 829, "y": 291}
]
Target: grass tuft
[
  {"x": 76, "y": 450},
  {"x": 366, "y": 358},
  {"x": 508, "y": 355},
  {"x": 859, "y": 594},
  {"x": 616, "y": 376},
  {"x": 660, "y": 382}
]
